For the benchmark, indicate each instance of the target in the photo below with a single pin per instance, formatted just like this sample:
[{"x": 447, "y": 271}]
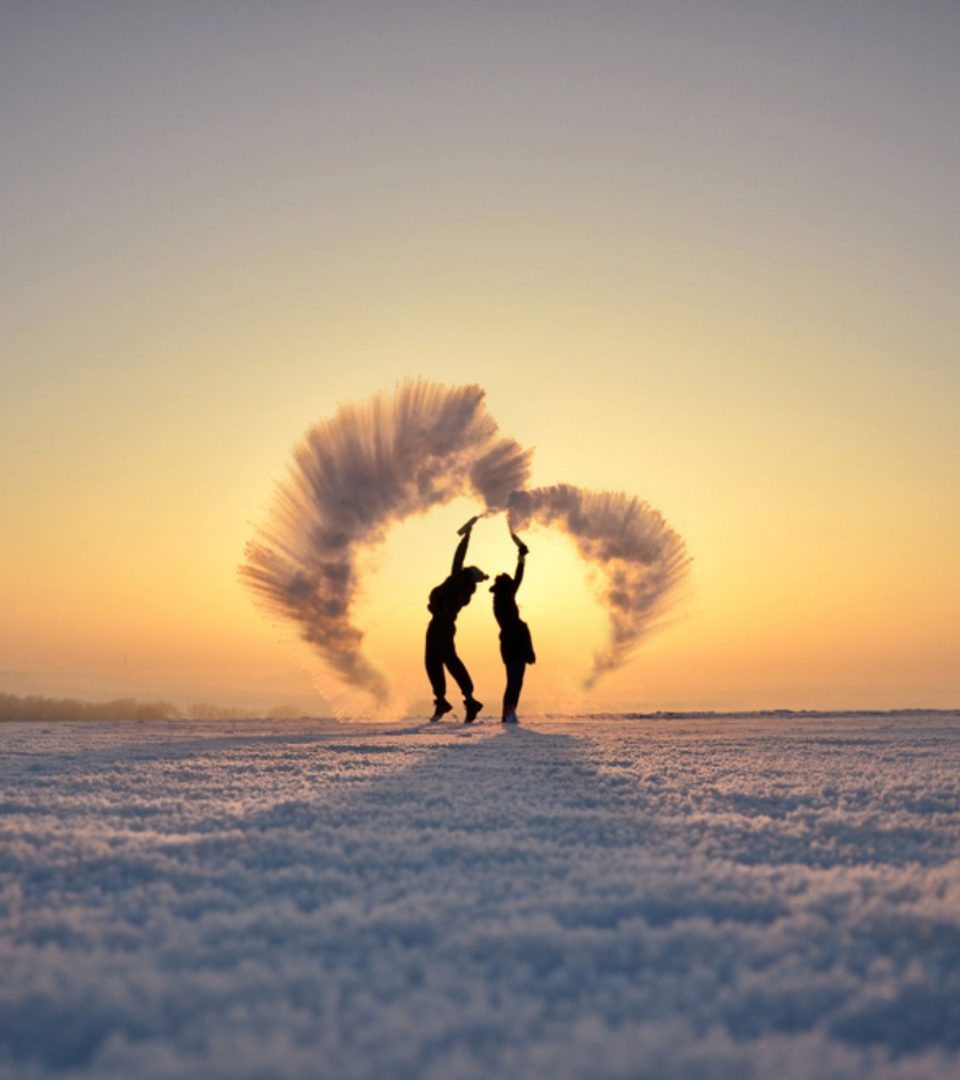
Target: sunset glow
[{"x": 704, "y": 269}]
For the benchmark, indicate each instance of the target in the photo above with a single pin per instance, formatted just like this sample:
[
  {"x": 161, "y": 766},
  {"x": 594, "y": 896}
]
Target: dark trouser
[
  {"x": 515, "y": 672},
  {"x": 442, "y": 651}
]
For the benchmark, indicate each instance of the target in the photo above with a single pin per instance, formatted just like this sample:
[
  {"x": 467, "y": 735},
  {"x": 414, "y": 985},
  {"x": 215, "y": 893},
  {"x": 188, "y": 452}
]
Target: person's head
[
  {"x": 467, "y": 581},
  {"x": 502, "y": 583}
]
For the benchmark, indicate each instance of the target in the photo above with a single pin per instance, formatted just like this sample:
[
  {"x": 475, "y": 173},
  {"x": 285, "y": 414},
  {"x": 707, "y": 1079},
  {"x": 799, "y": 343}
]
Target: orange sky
[{"x": 711, "y": 262}]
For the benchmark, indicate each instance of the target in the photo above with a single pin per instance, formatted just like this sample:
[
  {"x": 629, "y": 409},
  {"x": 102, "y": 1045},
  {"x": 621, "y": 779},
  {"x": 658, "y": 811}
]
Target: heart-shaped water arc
[{"x": 375, "y": 463}]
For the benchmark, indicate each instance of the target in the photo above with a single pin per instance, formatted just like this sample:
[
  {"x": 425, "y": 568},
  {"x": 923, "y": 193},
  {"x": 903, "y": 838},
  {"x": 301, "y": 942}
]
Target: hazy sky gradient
[{"x": 702, "y": 252}]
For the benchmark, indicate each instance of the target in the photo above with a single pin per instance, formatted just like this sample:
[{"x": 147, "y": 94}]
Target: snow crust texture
[{"x": 583, "y": 898}]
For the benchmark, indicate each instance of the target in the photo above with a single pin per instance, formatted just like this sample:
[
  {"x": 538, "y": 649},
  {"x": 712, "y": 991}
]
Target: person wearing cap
[
  {"x": 444, "y": 606},
  {"x": 516, "y": 645}
]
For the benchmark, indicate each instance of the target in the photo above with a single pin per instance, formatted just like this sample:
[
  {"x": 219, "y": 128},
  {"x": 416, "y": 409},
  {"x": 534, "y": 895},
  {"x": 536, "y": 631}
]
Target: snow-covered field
[{"x": 582, "y": 898}]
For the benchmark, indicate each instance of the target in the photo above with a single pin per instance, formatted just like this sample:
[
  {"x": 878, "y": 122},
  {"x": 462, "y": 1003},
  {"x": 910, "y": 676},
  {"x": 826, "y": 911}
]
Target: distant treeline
[{"x": 32, "y": 708}]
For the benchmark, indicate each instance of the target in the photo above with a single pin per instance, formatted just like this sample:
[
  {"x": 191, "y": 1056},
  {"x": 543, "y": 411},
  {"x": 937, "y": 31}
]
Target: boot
[
  {"x": 472, "y": 707},
  {"x": 440, "y": 707}
]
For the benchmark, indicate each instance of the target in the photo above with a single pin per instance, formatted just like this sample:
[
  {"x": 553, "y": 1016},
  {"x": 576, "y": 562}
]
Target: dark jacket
[
  {"x": 452, "y": 594},
  {"x": 515, "y": 640}
]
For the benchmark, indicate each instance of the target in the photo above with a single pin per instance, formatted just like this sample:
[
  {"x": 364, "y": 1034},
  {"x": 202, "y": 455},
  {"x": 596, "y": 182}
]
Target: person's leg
[
  {"x": 511, "y": 695},
  {"x": 459, "y": 672},
  {"x": 507, "y": 690},
  {"x": 433, "y": 662}
]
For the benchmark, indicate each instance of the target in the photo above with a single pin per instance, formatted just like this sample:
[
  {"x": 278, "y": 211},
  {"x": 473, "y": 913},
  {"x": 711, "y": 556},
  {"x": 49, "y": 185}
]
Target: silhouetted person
[
  {"x": 445, "y": 603},
  {"x": 516, "y": 645}
]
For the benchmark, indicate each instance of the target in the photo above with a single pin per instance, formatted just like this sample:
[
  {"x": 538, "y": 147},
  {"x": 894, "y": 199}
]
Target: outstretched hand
[
  {"x": 524, "y": 550},
  {"x": 465, "y": 529}
]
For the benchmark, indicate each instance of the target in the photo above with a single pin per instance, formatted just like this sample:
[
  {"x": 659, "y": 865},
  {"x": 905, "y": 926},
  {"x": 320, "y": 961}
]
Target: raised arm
[
  {"x": 461, "y": 553},
  {"x": 518, "y": 576},
  {"x": 522, "y": 552}
]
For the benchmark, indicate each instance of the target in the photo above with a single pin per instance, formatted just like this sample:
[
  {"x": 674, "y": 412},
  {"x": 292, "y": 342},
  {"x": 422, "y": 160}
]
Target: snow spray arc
[{"x": 375, "y": 463}]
